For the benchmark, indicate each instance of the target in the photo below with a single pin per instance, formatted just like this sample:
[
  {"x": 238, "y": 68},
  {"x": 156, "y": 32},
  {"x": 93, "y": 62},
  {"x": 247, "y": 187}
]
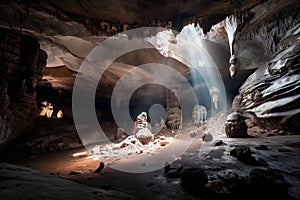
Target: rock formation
[
  {"x": 235, "y": 126},
  {"x": 142, "y": 129},
  {"x": 199, "y": 115},
  {"x": 22, "y": 62},
  {"x": 174, "y": 113},
  {"x": 270, "y": 96}
]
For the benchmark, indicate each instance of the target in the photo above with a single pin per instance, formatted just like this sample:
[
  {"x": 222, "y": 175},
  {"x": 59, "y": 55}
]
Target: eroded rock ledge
[{"x": 271, "y": 94}]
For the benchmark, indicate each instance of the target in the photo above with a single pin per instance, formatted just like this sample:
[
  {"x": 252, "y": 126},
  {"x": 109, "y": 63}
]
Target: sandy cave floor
[{"x": 283, "y": 154}]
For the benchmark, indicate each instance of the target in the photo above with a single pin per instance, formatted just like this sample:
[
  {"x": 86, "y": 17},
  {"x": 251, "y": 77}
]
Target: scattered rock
[
  {"x": 207, "y": 137},
  {"x": 163, "y": 143},
  {"x": 219, "y": 143},
  {"x": 243, "y": 154},
  {"x": 100, "y": 168},
  {"x": 74, "y": 173},
  {"x": 231, "y": 181},
  {"x": 284, "y": 150},
  {"x": 162, "y": 137},
  {"x": 261, "y": 147},
  {"x": 267, "y": 183},
  {"x": 167, "y": 167},
  {"x": 173, "y": 174},
  {"x": 193, "y": 178},
  {"x": 227, "y": 175}
]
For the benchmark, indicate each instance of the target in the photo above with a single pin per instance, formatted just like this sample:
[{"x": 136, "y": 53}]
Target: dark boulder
[
  {"x": 267, "y": 183},
  {"x": 244, "y": 154},
  {"x": 235, "y": 126},
  {"x": 193, "y": 179}
]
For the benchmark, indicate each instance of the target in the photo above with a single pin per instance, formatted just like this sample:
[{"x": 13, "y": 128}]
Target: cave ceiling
[
  {"x": 134, "y": 13},
  {"x": 68, "y": 30}
]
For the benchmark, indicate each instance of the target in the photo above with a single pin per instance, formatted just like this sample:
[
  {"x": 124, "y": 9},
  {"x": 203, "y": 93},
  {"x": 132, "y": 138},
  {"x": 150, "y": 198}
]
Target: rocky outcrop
[
  {"x": 22, "y": 62},
  {"x": 20, "y": 182},
  {"x": 174, "y": 113},
  {"x": 270, "y": 96}
]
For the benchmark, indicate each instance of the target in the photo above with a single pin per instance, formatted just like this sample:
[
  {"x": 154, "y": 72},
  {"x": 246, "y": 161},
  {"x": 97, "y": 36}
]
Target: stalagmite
[
  {"x": 214, "y": 95},
  {"x": 199, "y": 115},
  {"x": 142, "y": 128},
  {"x": 174, "y": 113}
]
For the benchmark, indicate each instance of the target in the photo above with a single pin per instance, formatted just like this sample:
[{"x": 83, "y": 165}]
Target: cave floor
[{"x": 282, "y": 154}]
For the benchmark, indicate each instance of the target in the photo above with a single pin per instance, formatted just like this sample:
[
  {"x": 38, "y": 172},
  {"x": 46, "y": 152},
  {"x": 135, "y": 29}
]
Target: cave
[{"x": 150, "y": 99}]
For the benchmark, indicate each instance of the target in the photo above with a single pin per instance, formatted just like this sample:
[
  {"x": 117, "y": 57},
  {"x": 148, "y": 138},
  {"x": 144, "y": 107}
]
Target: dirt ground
[{"x": 283, "y": 154}]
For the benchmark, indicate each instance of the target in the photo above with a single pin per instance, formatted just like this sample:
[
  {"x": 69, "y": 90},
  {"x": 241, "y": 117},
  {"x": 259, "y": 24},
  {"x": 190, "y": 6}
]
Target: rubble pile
[
  {"x": 143, "y": 141},
  {"x": 131, "y": 145}
]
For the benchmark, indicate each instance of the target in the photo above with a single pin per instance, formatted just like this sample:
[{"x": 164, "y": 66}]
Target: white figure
[
  {"x": 199, "y": 115},
  {"x": 59, "y": 114},
  {"x": 162, "y": 123},
  {"x": 141, "y": 126},
  {"x": 141, "y": 121},
  {"x": 214, "y": 92}
]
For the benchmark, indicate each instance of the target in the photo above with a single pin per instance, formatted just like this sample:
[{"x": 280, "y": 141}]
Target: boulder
[
  {"x": 267, "y": 183},
  {"x": 244, "y": 154},
  {"x": 207, "y": 137},
  {"x": 193, "y": 179},
  {"x": 235, "y": 126}
]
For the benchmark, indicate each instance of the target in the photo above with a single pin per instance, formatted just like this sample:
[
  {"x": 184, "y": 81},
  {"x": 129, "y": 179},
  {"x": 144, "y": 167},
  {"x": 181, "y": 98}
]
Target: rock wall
[
  {"x": 21, "y": 65},
  {"x": 261, "y": 29},
  {"x": 270, "y": 96}
]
